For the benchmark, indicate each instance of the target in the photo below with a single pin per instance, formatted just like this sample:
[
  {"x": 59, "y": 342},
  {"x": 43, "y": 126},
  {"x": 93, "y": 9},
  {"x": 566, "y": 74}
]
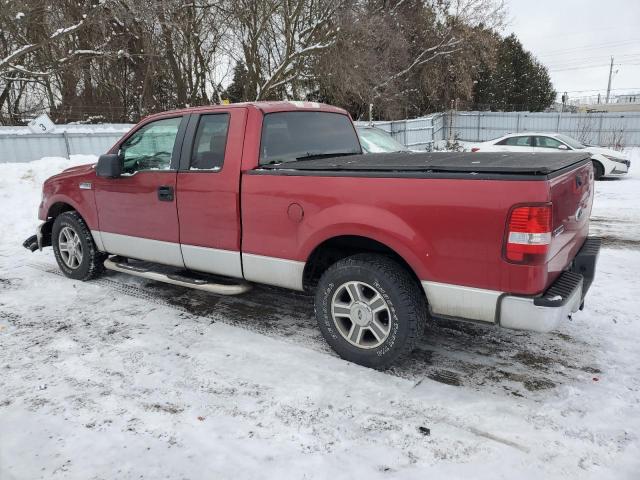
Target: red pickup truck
[{"x": 279, "y": 193}]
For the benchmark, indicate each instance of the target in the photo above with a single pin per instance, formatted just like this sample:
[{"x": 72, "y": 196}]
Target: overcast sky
[{"x": 575, "y": 40}]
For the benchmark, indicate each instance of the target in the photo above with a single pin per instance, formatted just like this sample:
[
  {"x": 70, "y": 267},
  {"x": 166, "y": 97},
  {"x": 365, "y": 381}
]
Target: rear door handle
[{"x": 165, "y": 193}]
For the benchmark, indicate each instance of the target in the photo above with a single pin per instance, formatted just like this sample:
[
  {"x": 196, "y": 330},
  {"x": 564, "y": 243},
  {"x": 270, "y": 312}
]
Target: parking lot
[{"x": 183, "y": 381}]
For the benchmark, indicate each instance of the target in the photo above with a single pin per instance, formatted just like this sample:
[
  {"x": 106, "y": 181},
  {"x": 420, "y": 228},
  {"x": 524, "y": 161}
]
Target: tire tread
[
  {"x": 96, "y": 258},
  {"x": 409, "y": 293}
]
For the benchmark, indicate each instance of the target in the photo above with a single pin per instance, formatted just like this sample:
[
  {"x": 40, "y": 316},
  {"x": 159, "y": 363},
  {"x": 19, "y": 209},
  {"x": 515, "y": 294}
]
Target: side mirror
[
  {"x": 109, "y": 165},
  {"x": 563, "y": 147}
]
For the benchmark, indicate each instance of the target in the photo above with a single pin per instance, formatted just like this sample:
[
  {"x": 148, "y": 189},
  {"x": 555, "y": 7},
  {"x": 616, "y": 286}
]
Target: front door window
[{"x": 151, "y": 147}]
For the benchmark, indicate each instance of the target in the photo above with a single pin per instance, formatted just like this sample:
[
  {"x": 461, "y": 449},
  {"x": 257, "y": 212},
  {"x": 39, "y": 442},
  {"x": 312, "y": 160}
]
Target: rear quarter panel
[{"x": 448, "y": 230}]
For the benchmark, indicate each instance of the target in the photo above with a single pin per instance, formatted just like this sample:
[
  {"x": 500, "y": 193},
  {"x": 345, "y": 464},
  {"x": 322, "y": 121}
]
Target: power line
[
  {"x": 580, "y": 60},
  {"x": 596, "y": 90},
  {"x": 590, "y": 31},
  {"x": 585, "y": 67},
  {"x": 563, "y": 51}
]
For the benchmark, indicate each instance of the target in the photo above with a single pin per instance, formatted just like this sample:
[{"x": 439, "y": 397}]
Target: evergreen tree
[
  {"x": 517, "y": 82},
  {"x": 236, "y": 92}
]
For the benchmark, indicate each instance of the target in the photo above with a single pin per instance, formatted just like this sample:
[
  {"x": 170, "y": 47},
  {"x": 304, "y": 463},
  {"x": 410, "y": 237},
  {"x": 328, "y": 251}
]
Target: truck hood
[
  {"x": 80, "y": 168},
  {"x": 77, "y": 171}
]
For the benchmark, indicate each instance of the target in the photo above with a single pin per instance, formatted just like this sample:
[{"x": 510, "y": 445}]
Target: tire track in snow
[{"x": 454, "y": 353}]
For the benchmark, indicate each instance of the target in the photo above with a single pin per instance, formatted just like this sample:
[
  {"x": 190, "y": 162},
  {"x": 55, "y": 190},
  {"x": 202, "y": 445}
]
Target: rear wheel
[
  {"x": 370, "y": 310},
  {"x": 74, "y": 248},
  {"x": 598, "y": 170}
]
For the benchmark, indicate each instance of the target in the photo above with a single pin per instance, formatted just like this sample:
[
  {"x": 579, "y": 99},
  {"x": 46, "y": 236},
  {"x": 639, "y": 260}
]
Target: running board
[{"x": 177, "y": 279}]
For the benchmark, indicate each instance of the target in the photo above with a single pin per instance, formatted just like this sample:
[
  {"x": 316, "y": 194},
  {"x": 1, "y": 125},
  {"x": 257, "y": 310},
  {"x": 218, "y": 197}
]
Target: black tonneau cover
[{"x": 452, "y": 162}]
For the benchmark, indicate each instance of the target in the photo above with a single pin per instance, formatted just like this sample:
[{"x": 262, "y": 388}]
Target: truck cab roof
[{"x": 263, "y": 106}]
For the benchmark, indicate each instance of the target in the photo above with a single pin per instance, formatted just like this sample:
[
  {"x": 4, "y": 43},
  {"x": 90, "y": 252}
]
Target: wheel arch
[
  {"x": 59, "y": 207},
  {"x": 606, "y": 165},
  {"x": 338, "y": 247},
  {"x": 54, "y": 210},
  {"x": 62, "y": 205}
]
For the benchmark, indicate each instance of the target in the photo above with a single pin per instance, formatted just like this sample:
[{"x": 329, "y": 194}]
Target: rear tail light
[
  {"x": 475, "y": 149},
  {"x": 528, "y": 234}
]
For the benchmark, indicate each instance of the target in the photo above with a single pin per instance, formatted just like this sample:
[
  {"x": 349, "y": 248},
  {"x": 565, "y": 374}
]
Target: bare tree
[
  {"x": 277, "y": 38},
  {"x": 117, "y": 60},
  {"x": 29, "y": 32},
  {"x": 584, "y": 129},
  {"x": 389, "y": 53}
]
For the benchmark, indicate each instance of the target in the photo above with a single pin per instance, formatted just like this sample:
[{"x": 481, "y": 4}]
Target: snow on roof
[{"x": 71, "y": 128}]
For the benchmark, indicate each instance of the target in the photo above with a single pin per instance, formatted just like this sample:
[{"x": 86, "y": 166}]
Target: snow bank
[
  {"x": 616, "y": 209},
  {"x": 21, "y": 190}
]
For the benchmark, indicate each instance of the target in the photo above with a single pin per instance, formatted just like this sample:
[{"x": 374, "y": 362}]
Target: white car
[
  {"x": 606, "y": 162},
  {"x": 376, "y": 140}
]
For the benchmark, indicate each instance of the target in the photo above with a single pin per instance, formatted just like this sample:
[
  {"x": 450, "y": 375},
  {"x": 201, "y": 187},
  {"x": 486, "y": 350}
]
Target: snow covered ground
[{"x": 122, "y": 378}]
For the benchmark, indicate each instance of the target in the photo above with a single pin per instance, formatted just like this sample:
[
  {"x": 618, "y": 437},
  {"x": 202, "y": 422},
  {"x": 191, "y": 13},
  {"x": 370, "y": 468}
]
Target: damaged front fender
[{"x": 41, "y": 239}]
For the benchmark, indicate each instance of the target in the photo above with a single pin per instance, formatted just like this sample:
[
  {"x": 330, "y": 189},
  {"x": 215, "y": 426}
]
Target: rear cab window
[{"x": 291, "y": 136}]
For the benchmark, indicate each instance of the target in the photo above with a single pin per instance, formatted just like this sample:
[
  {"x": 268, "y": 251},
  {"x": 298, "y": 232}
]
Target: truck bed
[{"x": 485, "y": 165}]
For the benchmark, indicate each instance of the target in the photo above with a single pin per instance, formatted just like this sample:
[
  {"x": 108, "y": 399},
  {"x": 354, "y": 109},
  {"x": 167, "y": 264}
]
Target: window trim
[
  {"x": 190, "y": 137},
  {"x": 177, "y": 145}
]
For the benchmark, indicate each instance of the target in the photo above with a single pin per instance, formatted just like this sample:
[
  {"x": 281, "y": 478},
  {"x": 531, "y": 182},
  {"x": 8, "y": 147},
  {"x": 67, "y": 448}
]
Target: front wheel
[
  {"x": 370, "y": 310},
  {"x": 74, "y": 248}
]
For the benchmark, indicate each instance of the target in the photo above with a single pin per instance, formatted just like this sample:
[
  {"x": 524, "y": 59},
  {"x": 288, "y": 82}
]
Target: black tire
[
  {"x": 406, "y": 313},
  {"x": 92, "y": 263},
  {"x": 598, "y": 170}
]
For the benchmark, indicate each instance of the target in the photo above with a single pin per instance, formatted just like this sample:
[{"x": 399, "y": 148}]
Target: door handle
[{"x": 165, "y": 193}]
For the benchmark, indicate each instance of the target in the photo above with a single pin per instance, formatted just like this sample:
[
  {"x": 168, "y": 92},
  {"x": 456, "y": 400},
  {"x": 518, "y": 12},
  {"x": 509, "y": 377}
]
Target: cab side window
[
  {"x": 548, "y": 142},
  {"x": 210, "y": 142},
  {"x": 151, "y": 147},
  {"x": 516, "y": 142}
]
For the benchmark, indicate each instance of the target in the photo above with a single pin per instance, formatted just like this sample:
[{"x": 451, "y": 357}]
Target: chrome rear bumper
[
  {"x": 564, "y": 297},
  {"x": 539, "y": 313},
  {"x": 543, "y": 314}
]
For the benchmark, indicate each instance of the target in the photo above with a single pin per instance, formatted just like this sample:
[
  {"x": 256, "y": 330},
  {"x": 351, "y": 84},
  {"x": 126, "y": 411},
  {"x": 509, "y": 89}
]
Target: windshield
[
  {"x": 374, "y": 140},
  {"x": 291, "y": 136},
  {"x": 572, "y": 142}
]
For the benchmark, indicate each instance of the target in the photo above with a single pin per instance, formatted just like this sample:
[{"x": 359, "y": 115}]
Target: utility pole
[{"x": 609, "y": 85}]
